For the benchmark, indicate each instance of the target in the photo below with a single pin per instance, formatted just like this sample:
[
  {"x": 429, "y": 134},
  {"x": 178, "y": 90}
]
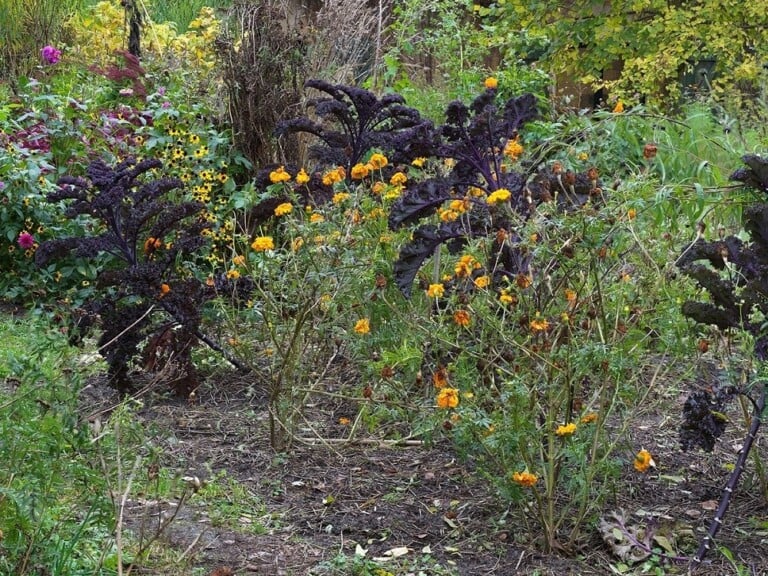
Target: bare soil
[{"x": 328, "y": 499}]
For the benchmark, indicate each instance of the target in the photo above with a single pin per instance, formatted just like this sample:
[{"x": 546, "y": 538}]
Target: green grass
[{"x": 182, "y": 12}]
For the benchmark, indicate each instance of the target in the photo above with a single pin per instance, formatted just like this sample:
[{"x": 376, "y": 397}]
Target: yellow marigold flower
[
  {"x": 631, "y": 213},
  {"x": 491, "y": 83},
  {"x": 482, "y": 281},
  {"x": 375, "y": 213},
  {"x": 539, "y": 324},
  {"x": 398, "y": 179},
  {"x": 344, "y": 421},
  {"x": 333, "y": 176},
  {"x": 283, "y": 209},
  {"x": 619, "y": 108},
  {"x": 643, "y": 461},
  {"x": 340, "y": 197},
  {"x": 378, "y": 161},
  {"x": 302, "y": 177},
  {"x": 233, "y": 274},
  {"x": 419, "y": 162},
  {"x": 570, "y": 295},
  {"x": 500, "y": 195},
  {"x": 316, "y": 218},
  {"x": 363, "y": 326},
  {"x": 263, "y": 243},
  {"x": 393, "y": 193},
  {"x": 461, "y": 317},
  {"x": 476, "y": 192},
  {"x": 435, "y": 291},
  {"x": 279, "y": 175},
  {"x": 513, "y": 149},
  {"x": 589, "y": 418},
  {"x": 359, "y": 171},
  {"x": 566, "y": 429},
  {"x": 507, "y": 298},
  {"x": 239, "y": 260},
  {"x": 448, "y": 398},
  {"x": 525, "y": 479},
  {"x": 459, "y": 205},
  {"x": 465, "y": 266}
]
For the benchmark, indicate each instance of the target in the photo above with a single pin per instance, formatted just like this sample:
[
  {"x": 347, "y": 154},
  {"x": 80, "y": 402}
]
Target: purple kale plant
[{"x": 145, "y": 233}]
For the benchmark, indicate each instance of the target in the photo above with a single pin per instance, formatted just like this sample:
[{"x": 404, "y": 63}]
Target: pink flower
[
  {"x": 26, "y": 240},
  {"x": 50, "y": 54},
  {"x": 161, "y": 91},
  {"x": 166, "y": 104}
]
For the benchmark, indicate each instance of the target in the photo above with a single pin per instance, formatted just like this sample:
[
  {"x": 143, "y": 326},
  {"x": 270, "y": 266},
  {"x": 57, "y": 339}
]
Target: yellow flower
[
  {"x": 378, "y": 187},
  {"x": 631, "y": 213},
  {"x": 525, "y": 479},
  {"x": 589, "y": 418},
  {"x": 233, "y": 274},
  {"x": 344, "y": 421},
  {"x": 398, "y": 179},
  {"x": 448, "y": 398},
  {"x": 333, "y": 176},
  {"x": 448, "y": 215},
  {"x": 461, "y": 317},
  {"x": 583, "y": 156},
  {"x": 418, "y": 162},
  {"x": 465, "y": 266},
  {"x": 507, "y": 298},
  {"x": 297, "y": 243},
  {"x": 316, "y": 218},
  {"x": 283, "y": 209},
  {"x": 513, "y": 149},
  {"x": 482, "y": 281},
  {"x": 566, "y": 429},
  {"x": 435, "y": 291},
  {"x": 239, "y": 260},
  {"x": 491, "y": 83},
  {"x": 194, "y": 139},
  {"x": 359, "y": 171},
  {"x": 619, "y": 108},
  {"x": 570, "y": 295},
  {"x": 221, "y": 177},
  {"x": 500, "y": 195},
  {"x": 378, "y": 161},
  {"x": 340, "y": 197},
  {"x": 643, "y": 461},
  {"x": 279, "y": 175},
  {"x": 263, "y": 243},
  {"x": 302, "y": 177},
  {"x": 363, "y": 326}
]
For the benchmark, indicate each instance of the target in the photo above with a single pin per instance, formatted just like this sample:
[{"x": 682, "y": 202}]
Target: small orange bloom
[
  {"x": 164, "y": 289},
  {"x": 643, "y": 461},
  {"x": 539, "y": 324},
  {"x": 440, "y": 377},
  {"x": 363, "y": 326},
  {"x": 461, "y": 317},
  {"x": 589, "y": 418},
  {"x": 491, "y": 83},
  {"x": 435, "y": 291},
  {"x": 525, "y": 479},
  {"x": 482, "y": 281},
  {"x": 448, "y": 398}
]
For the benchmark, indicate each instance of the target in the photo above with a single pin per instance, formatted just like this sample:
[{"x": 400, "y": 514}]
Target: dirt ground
[{"x": 322, "y": 501}]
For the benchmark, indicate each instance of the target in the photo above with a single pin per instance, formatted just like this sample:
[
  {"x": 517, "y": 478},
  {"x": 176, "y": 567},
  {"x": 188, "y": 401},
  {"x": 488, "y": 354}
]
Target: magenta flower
[
  {"x": 50, "y": 54},
  {"x": 26, "y": 240}
]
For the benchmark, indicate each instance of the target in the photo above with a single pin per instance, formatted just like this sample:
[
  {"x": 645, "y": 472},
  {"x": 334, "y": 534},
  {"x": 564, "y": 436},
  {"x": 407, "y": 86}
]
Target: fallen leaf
[
  {"x": 664, "y": 542},
  {"x": 709, "y": 505},
  {"x": 397, "y": 552},
  {"x": 360, "y": 552}
]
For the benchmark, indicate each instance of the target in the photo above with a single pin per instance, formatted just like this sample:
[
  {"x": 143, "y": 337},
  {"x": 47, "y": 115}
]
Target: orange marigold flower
[
  {"x": 263, "y": 243},
  {"x": 500, "y": 195},
  {"x": 523, "y": 281},
  {"x": 566, "y": 429},
  {"x": 302, "y": 177},
  {"x": 525, "y": 479},
  {"x": 398, "y": 179},
  {"x": 164, "y": 289},
  {"x": 378, "y": 187},
  {"x": 570, "y": 295},
  {"x": 465, "y": 266},
  {"x": 539, "y": 324},
  {"x": 619, "y": 108},
  {"x": 440, "y": 377},
  {"x": 631, "y": 213},
  {"x": 378, "y": 161},
  {"x": 359, "y": 171},
  {"x": 297, "y": 243},
  {"x": 461, "y": 317},
  {"x": 435, "y": 291},
  {"x": 316, "y": 218},
  {"x": 152, "y": 244},
  {"x": 491, "y": 83},
  {"x": 448, "y": 398},
  {"x": 589, "y": 418},
  {"x": 448, "y": 215},
  {"x": 233, "y": 274},
  {"x": 363, "y": 326},
  {"x": 283, "y": 209},
  {"x": 344, "y": 421},
  {"x": 333, "y": 176},
  {"x": 643, "y": 461},
  {"x": 279, "y": 175},
  {"x": 649, "y": 151},
  {"x": 482, "y": 281},
  {"x": 513, "y": 149},
  {"x": 238, "y": 260}
]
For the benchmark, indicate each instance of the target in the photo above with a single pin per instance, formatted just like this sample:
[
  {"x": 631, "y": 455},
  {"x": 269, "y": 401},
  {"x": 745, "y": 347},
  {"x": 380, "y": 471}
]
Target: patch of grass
[{"x": 232, "y": 504}]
